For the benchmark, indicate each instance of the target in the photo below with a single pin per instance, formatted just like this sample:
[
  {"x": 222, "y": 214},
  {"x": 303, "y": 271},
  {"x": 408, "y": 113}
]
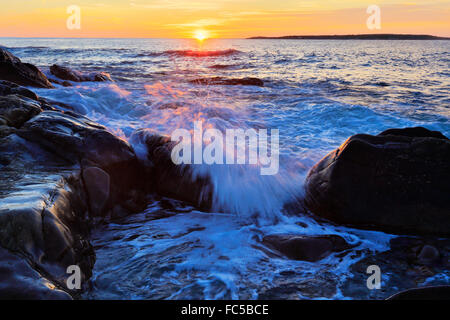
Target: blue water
[{"x": 317, "y": 93}]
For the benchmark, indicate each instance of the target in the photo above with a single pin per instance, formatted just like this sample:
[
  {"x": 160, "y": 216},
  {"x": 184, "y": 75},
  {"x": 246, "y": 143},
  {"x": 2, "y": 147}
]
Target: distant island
[{"x": 386, "y": 36}]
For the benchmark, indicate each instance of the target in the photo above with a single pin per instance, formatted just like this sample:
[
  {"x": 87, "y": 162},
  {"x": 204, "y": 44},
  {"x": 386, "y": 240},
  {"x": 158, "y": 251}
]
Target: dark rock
[
  {"x": 51, "y": 105},
  {"x": 229, "y": 82},
  {"x": 169, "y": 179},
  {"x": 66, "y": 73},
  {"x": 290, "y": 285},
  {"x": 12, "y": 69},
  {"x": 19, "y": 281},
  {"x": 398, "y": 181},
  {"x": 73, "y": 137},
  {"x": 48, "y": 222},
  {"x": 64, "y": 83},
  {"x": 306, "y": 248},
  {"x": 414, "y": 133},
  {"x": 47, "y": 226},
  {"x": 77, "y": 140},
  {"x": 425, "y": 293},
  {"x": 97, "y": 184},
  {"x": 402, "y": 266},
  {"x": 7, "y": 88},
  {"x": 5, "y": 130},
  {"x": 101, "y": 77},
  {"x": 16, "y": 110},
  {"x": 428, "y": 254}
]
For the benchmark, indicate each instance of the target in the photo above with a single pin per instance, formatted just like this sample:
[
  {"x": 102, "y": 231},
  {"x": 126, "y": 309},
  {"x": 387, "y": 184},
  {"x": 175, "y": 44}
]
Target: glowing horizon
[{"x": 220, "y": 19}]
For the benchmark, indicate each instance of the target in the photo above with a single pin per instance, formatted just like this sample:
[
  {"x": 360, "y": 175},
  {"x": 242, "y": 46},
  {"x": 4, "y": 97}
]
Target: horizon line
[{"x": 286, "y": 37}]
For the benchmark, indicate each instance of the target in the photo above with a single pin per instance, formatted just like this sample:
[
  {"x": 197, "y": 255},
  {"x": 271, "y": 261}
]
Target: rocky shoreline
[{"x": 62, "y": 174}]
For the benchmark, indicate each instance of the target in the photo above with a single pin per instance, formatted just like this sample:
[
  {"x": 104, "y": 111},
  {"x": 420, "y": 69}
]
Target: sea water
[{"x": 317, "y": 93}]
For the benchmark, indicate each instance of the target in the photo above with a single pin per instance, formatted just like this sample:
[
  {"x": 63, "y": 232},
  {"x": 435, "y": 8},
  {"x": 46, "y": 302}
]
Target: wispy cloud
[{"x": 178, "y": 5}]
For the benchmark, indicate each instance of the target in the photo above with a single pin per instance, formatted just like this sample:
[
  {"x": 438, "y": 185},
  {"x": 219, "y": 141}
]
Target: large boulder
[
  {"x": 44, "y": 220},
  {"x": 74, "y": 137},
  {"x": 77, "y": 140},
  {"x": 397, "y": 181},
  {"x": 14, "y": 70},
  {"x": 60, "y": 174},
  {"x": 178, "y": 181}
]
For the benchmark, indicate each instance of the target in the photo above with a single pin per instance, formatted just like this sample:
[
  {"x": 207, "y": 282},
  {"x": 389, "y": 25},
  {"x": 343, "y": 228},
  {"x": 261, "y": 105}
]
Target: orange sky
[{"x": 220, "y": 18}]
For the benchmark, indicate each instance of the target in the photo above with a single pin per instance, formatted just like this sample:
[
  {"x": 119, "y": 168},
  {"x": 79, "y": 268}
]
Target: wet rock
[
  {"x": 19, "y": 281},
  {"x": 16, "y": 110},
  {"x": 77, "y": 140},
  {"x": 65, "y": 73},
  {"x": 306, "y": 248},
  {"x": 293, "y": 285},
  {"x": 165, "y": 177},
  {"x": 401, "y": 269},
  {"x": 425, "y": 293},
  {"x": 229, "y": 82},
  {"x": 397, "y": 181},
  {"x": 428, "y": 254},
  {"x": 5, "y": 130},
  {"x": 414, "y": 132},
  {"x": 7, "y": 88},
  {"x": 97, "y": 184},
  {"x": 12, "y": 69},
  {"x": 52, "y": 105},
  {"x": 74, "y": 137},
  {"x": 64, "y": 83},
  {"x": 100, "y": 77},
  {"x": 46, "y": 224},
  {"x": 21, "y": 231},
  {"x": 45, "y": 217}
]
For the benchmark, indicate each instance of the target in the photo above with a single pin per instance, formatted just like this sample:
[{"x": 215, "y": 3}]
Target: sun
[{"x": 201, "y": 35}]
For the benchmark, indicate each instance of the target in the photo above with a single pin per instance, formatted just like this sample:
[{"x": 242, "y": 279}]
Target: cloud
[
  {"x": 202, "y": 23},
  {"x": 178, "y": 5}
]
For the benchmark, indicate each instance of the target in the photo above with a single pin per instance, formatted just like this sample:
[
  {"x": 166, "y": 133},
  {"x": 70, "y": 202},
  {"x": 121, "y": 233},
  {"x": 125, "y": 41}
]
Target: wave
[
  {"x": 188, "y": 53},
  {"x": 224, "y": 66},
  {"x": 26, "y": 47},
  {"x": 202, "y": 53}
]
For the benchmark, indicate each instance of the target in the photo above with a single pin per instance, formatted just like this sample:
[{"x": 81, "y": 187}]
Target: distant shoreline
[{"x": 359, "y": 37}]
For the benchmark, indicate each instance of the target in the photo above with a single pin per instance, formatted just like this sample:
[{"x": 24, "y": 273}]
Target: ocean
[{"x": 317, "y": 93}]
